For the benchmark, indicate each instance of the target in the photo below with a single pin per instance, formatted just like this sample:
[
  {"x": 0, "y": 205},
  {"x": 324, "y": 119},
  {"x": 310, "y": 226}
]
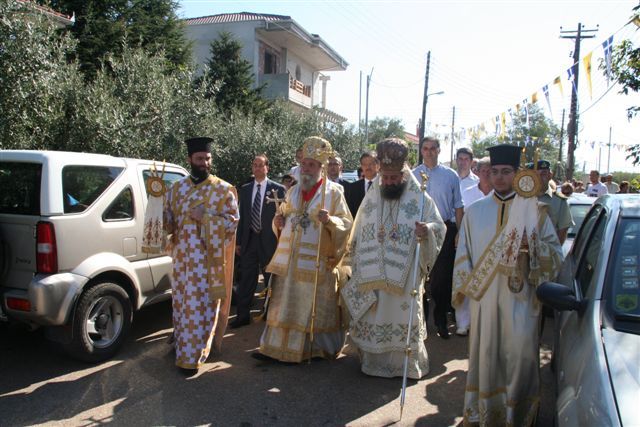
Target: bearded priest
[
  {"x": 313, "y": 224},
  {"x": 382, "y": 253}
]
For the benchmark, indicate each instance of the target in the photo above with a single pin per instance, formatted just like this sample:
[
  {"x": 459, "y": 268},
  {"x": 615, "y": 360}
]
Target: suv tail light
[{"x": 46, "y": 251}]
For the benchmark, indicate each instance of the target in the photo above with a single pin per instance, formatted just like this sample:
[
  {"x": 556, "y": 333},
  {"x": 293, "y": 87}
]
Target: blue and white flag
[
  {"x": 572, "y": 77},
  {"x": 545, "y": 90},
  {"x": 525, "y": 105},
  {"x": 607, "y": 45}
]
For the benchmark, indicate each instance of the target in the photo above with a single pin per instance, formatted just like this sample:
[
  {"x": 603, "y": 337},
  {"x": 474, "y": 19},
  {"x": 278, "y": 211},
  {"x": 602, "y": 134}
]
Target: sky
[{"x": 486, "y": 56}]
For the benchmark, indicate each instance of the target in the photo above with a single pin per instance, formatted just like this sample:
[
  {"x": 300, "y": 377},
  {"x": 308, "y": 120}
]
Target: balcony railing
[{"x": 299, "y": 87}]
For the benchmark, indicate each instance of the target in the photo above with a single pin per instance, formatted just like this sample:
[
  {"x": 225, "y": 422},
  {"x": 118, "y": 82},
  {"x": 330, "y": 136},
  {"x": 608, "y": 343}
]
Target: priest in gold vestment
[
  {"x": 382, "y": 253},
  {"x": 506, "y": 247},
  {"x": 200, "y": 216},
  {"x": 307, "y": 217}
]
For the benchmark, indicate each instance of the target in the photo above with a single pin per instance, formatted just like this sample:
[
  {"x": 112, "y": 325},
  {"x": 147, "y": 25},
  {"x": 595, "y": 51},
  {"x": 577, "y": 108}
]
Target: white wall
[{"x": 202, "y": 36}]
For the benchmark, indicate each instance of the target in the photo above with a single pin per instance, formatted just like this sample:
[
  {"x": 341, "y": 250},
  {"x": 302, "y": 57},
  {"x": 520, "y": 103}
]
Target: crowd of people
[
  {"x": 366, "y": 259},
  {"x": 597, "y": 186}
]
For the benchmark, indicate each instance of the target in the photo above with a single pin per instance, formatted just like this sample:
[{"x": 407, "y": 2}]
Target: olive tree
[{"x": 36, "y": 79}]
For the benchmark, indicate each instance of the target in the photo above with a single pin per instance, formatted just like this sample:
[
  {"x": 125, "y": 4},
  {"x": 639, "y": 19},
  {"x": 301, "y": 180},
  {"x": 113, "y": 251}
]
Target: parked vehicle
[
  {"x": 350, "y": 175},
  {"x": 71, "y": 226},
  {"x": 597, "y": 336},
  {"x": 579, "y": 204}
]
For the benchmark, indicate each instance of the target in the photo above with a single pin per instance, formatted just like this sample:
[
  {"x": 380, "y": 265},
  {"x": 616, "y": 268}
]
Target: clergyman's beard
[
  {"x": 392, "y": 191},
  {"x": 199, "y": 172},
  {"x": 307, "y": 181}
]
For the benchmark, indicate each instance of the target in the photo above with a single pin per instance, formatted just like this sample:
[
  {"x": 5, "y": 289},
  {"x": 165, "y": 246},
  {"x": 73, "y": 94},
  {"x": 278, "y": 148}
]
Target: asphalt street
[{"x": 41, "y": 385}]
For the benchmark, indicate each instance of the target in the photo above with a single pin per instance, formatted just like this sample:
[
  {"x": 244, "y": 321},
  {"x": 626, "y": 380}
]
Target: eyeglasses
[{"x": 503, "y": 172}]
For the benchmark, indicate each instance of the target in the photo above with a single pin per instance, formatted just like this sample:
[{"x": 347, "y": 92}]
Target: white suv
[{"x": 71, "y": 255}]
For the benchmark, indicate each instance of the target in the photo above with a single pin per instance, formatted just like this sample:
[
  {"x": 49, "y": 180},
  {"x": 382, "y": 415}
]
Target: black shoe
[
  {"x": 443, "y": 332},
  {"x": 238, "y": 323},
  {"x": 262, "y": 357},
  {"x": 188, "y": 372}
]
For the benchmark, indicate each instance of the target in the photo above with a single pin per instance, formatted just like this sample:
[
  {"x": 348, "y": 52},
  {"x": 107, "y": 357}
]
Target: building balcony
[{"x": 283, "y": 86}]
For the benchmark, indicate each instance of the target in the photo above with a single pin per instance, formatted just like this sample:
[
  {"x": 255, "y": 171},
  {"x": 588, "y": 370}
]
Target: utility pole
[
  {"x": 360, "y": 104},
  {"x": 366, "y": 114},
  {"x": 599, "y": 155},
  {"x": 425, "y": 97},
  {"x": 558, "y": 165},
  {"x": 609, "y": 156},
  {"x": 572, "y": 128},
  {"x": 453, "y": 123}
]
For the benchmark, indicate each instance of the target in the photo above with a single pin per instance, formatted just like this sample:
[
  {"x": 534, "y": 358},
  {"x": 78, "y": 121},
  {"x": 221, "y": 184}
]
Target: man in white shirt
[
  {"x": 464, "y": 160},
  {"x": 595, "y": 187},
  {"x": 612, "y": 187},
  {"x": 470, "y": 195}
]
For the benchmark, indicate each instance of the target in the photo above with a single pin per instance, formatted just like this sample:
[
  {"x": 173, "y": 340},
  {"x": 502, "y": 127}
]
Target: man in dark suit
[
  {"x": 256, "y": 242},
  {"x": 334, "y": 171},
  {"x": 355, "y": 192}
]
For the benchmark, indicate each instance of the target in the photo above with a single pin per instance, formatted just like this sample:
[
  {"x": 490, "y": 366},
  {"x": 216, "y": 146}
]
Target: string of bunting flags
[{"x": 554, "y": 93}]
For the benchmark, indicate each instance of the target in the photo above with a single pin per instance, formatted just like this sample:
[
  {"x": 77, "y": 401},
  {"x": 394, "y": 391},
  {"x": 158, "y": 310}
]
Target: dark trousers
[
  {"x": 441, "y": 276},
  {"x": 252, "y": 262}
]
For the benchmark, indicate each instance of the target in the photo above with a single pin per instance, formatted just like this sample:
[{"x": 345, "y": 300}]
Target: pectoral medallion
[
  {"x": 515, "y": 284},
  {"x": 303, "y": 221},
  {"x": 393, "y": 235}
]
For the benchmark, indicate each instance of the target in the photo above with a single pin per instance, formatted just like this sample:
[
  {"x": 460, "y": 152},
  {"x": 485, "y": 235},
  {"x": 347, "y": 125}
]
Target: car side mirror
[{"x": 559, "y": 297}]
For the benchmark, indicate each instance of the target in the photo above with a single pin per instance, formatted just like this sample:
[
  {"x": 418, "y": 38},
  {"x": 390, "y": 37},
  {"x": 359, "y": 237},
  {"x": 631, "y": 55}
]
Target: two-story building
[
  {"x": 59, "y": 19},
  {"x": 286, "y": 57}
]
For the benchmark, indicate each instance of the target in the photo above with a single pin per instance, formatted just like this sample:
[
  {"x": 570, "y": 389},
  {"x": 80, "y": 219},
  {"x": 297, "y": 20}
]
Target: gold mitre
[
  {"x": 392, "y": 154},
  {"x": 317, "y": 148}
]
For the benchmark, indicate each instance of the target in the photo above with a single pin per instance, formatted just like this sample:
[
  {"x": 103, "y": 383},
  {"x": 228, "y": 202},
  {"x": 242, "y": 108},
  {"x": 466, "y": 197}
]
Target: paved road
[{"x": 39, "y": 384}]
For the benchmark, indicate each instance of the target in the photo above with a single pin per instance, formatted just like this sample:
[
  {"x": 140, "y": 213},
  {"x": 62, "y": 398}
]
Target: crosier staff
[
  {"x": 267, "y": 291},
  {"x": 414, "y": 294},
  {"x": 325, "y": 152}
]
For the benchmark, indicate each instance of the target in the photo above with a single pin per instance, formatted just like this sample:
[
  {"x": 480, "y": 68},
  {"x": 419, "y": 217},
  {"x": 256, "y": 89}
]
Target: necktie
[
  {"x": 255, "y": 211},
  {"x": 369, "y": 185}
]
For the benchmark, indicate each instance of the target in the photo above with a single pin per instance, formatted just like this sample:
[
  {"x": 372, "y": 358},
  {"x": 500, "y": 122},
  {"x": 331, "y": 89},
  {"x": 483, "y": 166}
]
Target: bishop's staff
[
  {"x": 267, "y": 290},
  {"x": 414, "y": 294},
  {"x": 323, "y": 151}
]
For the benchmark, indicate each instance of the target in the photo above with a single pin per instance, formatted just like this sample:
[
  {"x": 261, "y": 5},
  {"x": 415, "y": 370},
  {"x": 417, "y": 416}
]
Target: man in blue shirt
[{"x": 443, "y": 186}]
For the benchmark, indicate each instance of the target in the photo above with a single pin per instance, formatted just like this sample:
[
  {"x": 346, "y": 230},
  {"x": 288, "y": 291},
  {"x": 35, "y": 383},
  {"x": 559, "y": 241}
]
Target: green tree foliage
[
  {"x": 384, "y": 127},
  {"x": 625, "y": 70},
  {"x": 36, "y": 81},
  {"x": 539, "y": 133},
  {"x": 104, "y": 27},
  {"x": 232, "y": 77},
  {"x": 135, "y": 107},
  {"x": 278, "y": 132}
]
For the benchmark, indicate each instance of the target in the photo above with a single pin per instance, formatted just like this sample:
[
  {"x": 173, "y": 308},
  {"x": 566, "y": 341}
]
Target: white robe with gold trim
[
  {"x": 202, "y": 273},
  {"x": 503, "y": 377},
  {"x": 293, "y": 265},
  {"x": 382, "y": 253}
]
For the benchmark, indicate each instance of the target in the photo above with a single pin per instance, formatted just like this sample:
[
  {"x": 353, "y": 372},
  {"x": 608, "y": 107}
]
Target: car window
[
  {"x": 624, "y": 277},
  {"x": 82, "y": 185},
  {"x": 121, "y": 208},
  {"x": 585, "y": 230},
  {"x": 168, "y": 178},
  {"x": 578, "y": 212},
  {"x": 21, "y": 188},
  {"x": 589, "y": 260}
]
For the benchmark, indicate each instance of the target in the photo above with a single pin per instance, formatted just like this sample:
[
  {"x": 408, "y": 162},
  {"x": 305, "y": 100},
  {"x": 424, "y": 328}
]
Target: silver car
[
  {"x": 71, "y": 256},
  {"x": 597, "y": 337},
  {"x": 579, "y": 205}
]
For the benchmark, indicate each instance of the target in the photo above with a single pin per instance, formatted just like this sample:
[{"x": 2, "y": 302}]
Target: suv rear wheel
[{"x": 101, "y": 322}]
